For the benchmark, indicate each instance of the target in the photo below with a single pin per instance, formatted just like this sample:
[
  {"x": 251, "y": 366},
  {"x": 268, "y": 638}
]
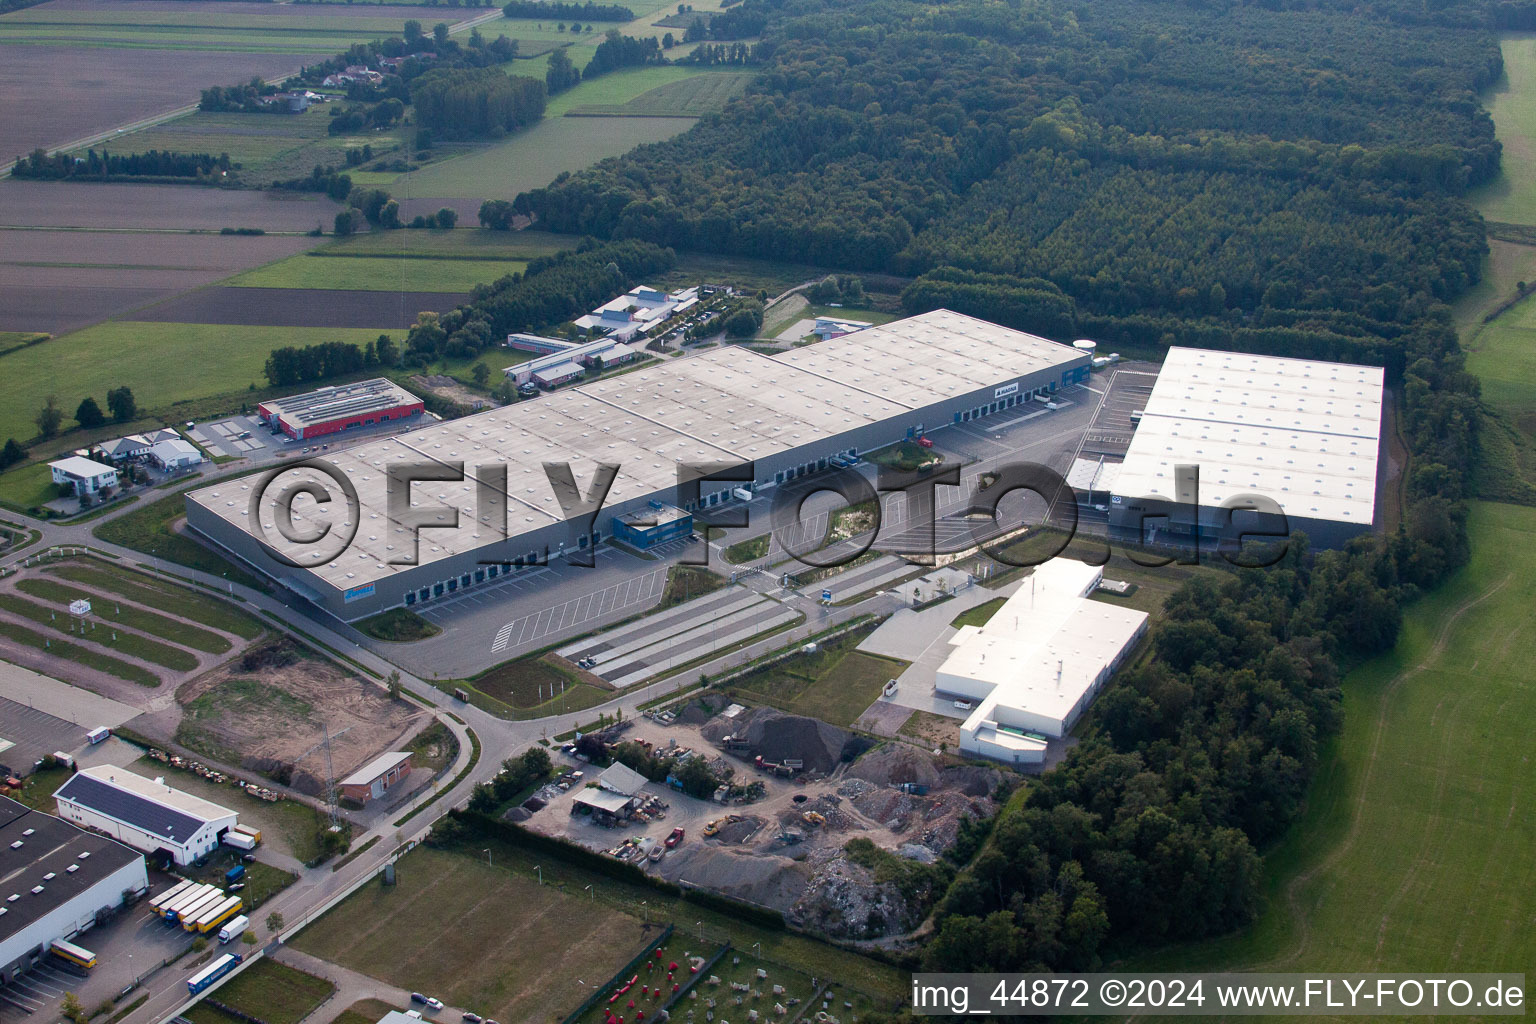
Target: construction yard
[{"x": 786, "y": 849}]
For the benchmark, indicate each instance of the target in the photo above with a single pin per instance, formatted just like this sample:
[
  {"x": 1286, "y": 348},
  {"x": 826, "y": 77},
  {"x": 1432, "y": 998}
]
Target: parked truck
[
  {"x": 234, "y": 874},
  {"x": 247, "y": 830},
  {"x": 239, "y": 840},
  {"x": 213, "y": 972},
  {"x": 233, "y": 929}
]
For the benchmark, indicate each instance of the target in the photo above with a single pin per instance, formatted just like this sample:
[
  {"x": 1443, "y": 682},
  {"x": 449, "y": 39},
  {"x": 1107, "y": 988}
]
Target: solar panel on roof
[{"x": 130, "y": 808}]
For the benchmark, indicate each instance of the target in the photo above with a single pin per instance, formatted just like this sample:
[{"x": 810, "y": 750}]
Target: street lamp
[
  {"x": 591, "y": 894},
  {"x": 539, "y": 868},
  {"x": 701, "y": 930},
  {"x": 488, "y": 858}
]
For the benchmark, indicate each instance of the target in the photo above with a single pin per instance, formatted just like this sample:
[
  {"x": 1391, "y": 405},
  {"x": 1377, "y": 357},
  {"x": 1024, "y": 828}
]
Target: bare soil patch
[
  {"x": 264, "y": 712},
  {"x": 66, "y": 204}
]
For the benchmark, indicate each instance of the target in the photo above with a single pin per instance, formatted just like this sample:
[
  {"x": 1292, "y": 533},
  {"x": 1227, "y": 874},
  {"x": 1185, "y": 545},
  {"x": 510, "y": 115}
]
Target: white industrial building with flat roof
[
  {"x": 55, "y": 879},
  {"x": 145, "y": 814},
  {"x": 1302, "y": 433},
  {"x": 1038, "y": 662},
  {"x": 770, "y": 419},
  {"x": 87, "y": 476}
]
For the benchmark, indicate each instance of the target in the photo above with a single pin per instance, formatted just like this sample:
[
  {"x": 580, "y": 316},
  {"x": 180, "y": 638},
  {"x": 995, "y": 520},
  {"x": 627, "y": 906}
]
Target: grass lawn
[
  {"x": 226, "y": 359},
  {"x": 748, "y": 550},
  {"x": 148, "y": 529},
  {"x": 653, "y": 91},
  {"x": 289, "y": 824},
  {"x": 248, "y": 138},
  {"x": 38, "y": 788},
  {"x": 28, "y": 485},
  {"x": 1414, "y": 850},
  {"x": 364, "y": 1011},
  {"x": 685, "y": 582},
  {"x": 90, "y": 658},
  {"x": 532, "y": 158},
  {"x": 526, "y": 682},
  {"x": 101, "y": 633},
  {"x": 168, "y": 597},
  {"x": 463, "y": 243},
  {"x": 486, "y": 938},
  {"x": 398, "y": 625},
  {"x": 387, "y": 275},
  {"x": 870, "y": 316},
  {"x": 905, "y": 455},
  {"x": 979, "y": 615},
  {"x": 835, "y": 684},
  {"x": 1511, "y": 197},
  {"x": 268, "y": 990},
  {"x": 108, "y": 610}
]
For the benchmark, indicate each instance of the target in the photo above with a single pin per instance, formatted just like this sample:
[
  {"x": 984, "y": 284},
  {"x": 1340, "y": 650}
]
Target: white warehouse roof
[
  {"x": 1041, "y": 657},
  {"x": 1302, "y": 432}
]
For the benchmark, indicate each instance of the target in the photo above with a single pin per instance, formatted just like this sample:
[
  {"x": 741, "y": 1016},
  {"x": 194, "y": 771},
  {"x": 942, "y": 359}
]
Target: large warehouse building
[
  {"x": 1302, "y": 433},
  {"x": 145, "y": 814},
  {"x": 779, "y": 416},
  {"x": 1038, "y": 662},
  {"x": 54, "y": 881}
]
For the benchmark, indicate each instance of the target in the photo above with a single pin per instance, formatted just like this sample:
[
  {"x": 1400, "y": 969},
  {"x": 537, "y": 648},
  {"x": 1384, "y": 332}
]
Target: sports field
[
  {"x": 1414, "y": 852},
  {"x": 162, "y": 363},
  {"x": 371, "y": 274}
]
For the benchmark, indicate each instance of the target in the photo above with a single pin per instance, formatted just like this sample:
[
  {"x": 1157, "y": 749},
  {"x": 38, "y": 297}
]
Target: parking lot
[{"x": 1110, "y": 432}]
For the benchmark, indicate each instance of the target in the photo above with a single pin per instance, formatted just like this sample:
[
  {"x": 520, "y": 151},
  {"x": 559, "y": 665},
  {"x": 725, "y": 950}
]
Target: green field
[
  {"x": 28, "y": 485},
  {"x": 102, "y": 634},
  {"x": 1511, "y": 197},
  {"x": 270, "y": 991},
  {"x": 247, "y": 138},
  {"x": 532, "y": 158},
  {"x": 979, "y": 615},
  {"x": 455, "y": 245},
  {"x": 166, "y": 596},
  {"x": 162, "y": 363},
  {"x": 444, "y": 928},
  {"x": 661, "y": 87},
  {"x": 381, "y": 275},
  {"x": 835, "y": 684},
  {"x": 106, "y": 609},
  {"x": 57, "y": 647},
  {"x": 694, "y": 96},
  {"x": 1414, "y": 851}
]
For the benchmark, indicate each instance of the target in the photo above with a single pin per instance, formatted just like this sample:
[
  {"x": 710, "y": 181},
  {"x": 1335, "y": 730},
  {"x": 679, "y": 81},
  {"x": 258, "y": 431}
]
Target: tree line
[
  {"x": 293, "y": 365},
  {"x": 476, "y": 101},
  {"x": 104, "y": 166},
  {"x": 557, "y": 9}
]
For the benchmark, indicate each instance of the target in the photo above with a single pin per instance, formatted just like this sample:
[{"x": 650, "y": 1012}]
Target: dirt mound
[
  {"x": 843, "y": 900},
  {"x": 775, "y": 736},
  {"x": 758, "y": 877},
  {"x": 971, "y": 779},
  {"x": 897, "y": 763}
]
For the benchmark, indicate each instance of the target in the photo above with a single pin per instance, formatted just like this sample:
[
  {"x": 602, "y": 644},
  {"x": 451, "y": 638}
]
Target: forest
[
  {"x": 104, "y": 166},
  {"x": 1284, "y": 178}
]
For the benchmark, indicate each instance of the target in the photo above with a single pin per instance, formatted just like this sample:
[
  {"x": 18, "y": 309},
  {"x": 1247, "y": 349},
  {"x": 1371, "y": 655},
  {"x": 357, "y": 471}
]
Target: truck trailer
[{"x": 239, "y": 840}]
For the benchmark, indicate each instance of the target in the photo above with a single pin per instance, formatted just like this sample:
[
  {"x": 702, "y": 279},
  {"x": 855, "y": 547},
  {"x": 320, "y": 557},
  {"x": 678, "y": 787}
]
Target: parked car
[
  {"x": 473, "y": 1018},
  {"x": 417, "y": 997},
  {"x": 433, "y": 1003},
  {"x": 675, "y": 838},
  {"x": 413, "y": 1013},
  {"x": 924, "y": 442}
]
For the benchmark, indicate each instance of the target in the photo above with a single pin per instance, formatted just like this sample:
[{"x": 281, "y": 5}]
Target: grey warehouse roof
[
  {"x": 76, "y": 859},
  {"x": 722, "y": 406},
  {"x": 129, "y": 808}
]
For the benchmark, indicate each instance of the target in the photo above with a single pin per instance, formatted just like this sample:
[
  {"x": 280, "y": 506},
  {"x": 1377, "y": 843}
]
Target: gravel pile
[{"x": 778, "y": 737}]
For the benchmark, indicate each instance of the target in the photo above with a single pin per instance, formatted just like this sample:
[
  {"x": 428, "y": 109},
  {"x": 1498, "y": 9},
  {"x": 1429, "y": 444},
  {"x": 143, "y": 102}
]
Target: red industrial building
[
  {"x": 377, "y": 777},
  {"x": 331, "y": 410}
]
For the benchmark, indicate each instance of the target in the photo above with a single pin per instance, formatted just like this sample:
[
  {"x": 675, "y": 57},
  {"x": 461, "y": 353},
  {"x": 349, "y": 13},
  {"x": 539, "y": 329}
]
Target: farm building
[
  {"x": 175, "y": 454},
  {"x": 54, "y": 881},
  {"x": 755, "y": 421},
  {"x": 1038, "y": 662},
  {"x": 331, "y": 410},
  {"x": 146, "y": 814},
  {"x": 377, "y": 777},
  {"x": 655, "y": 524},
  {"x": 1303, "y": 436},
  {"x": 87, "y": 477}
]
